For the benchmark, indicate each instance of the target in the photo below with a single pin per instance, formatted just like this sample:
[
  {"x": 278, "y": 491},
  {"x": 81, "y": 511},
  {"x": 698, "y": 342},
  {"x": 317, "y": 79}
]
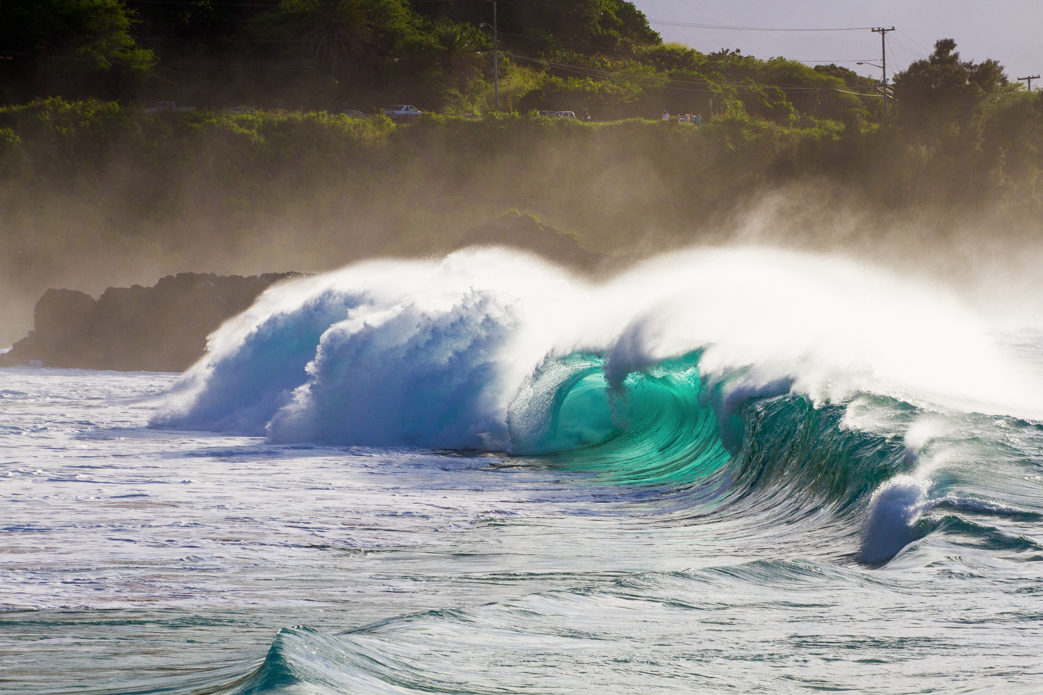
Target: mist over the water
[
  {"x": 473, "y": 326},
  {"x": 494, "y": 350},
  {"x": 485, "y": 473},
  {"x": 732, "y": 384},
  {"x": 99, "y": 195}
]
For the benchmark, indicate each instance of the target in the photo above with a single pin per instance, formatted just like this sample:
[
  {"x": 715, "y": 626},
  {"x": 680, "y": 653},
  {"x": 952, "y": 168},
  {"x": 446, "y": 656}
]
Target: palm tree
[
  {"x": 338, "y": 28},
  {"x": 459, "y": 48}
]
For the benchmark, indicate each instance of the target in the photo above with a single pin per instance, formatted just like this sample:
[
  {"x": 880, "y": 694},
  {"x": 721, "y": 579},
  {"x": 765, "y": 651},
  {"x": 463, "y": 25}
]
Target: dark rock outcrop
[
  {"x": 162, "y": 328},
  {"x": 528, "y": 233}
]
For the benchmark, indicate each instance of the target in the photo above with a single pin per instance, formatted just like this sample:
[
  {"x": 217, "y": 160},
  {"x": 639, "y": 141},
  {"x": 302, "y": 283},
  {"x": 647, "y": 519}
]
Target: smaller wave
[
  {"x": 891, "y": 525},
  {"x": 903, "y": 510},
  {"x": 731, "y": 397},
  {"x": 314, "y": 662},
  {"x": 988, "y": 537},
  {"x": 986, "y": 507}
]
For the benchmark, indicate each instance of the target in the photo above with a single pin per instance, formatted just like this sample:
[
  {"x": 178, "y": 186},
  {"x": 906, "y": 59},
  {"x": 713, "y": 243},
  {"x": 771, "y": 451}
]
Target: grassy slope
[{"x": 94, "y": 194}]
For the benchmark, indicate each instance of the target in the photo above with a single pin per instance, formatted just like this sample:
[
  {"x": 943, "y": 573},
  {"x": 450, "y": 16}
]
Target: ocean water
[{"x": 731, "y": 471}]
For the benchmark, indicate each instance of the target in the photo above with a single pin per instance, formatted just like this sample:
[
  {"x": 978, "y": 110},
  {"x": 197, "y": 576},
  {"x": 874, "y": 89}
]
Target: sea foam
[
  {"x": 496, "y": 350},
  {"x": 432, "y": 353}
]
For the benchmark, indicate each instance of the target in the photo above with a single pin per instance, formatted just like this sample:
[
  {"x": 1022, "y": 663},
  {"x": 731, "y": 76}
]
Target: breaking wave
[{"x": 752, "y": 384}]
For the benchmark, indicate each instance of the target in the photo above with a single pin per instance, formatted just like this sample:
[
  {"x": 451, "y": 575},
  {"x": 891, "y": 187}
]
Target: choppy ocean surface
[{"x": 725, "y": 472}]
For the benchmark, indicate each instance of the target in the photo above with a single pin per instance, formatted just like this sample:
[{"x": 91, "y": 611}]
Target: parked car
[
  {"x": 403, "y": 112},
  {"x": 354, "y": 113},
  {"x": 165, "y": 106},
  {"x": 558, "y": 114},
  {"x": 238, "y": 110}
]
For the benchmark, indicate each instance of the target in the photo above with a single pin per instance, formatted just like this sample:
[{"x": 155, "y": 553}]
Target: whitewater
[{"x": 724, "y": 471}]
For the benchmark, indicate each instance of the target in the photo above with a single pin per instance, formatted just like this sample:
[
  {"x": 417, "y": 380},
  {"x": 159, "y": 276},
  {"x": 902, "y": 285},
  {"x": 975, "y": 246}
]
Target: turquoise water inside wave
[
  {"x": 138, "y": 560},
  {"x": 422, "y": 478}
]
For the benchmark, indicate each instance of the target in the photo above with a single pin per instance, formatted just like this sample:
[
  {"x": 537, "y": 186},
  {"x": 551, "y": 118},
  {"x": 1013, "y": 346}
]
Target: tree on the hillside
[
  {"x": 620, "y": 25},
  {"x": 584, "y": 26},
  {"x": 62, "y": 46},
  {"x": 944, "y": 107},
  {"x": 195, "y": 26},
  {"x": 672, "y": 57},
  {"x": 347, "y": 30},
  {"x": 459, "y": 48},
  {"x": 450, "y": 64},
  {"x": 944, "y": 89}
]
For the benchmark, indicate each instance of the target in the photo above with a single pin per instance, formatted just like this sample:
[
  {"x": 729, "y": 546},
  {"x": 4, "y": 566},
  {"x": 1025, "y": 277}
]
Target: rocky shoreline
[
  {"x": 164, "y": 328},
  {"x": 160, "y": 329}
]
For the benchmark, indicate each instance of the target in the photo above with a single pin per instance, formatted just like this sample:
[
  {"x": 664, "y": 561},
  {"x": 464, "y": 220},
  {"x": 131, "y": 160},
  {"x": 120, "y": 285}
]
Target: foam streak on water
[{"x": 739, "y": 471}]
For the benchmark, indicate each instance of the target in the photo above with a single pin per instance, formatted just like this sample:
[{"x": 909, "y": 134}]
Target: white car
[
  {"x": 168, "y": 106},
  {"x": 403, "y": 112}
]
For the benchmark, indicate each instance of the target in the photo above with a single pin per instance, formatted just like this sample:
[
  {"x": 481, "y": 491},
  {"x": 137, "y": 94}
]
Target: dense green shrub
[{"x": 89, "y": 185}]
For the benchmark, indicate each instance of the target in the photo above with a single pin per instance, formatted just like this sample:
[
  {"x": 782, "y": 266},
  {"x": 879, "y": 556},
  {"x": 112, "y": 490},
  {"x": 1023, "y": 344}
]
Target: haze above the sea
[{"x": 1005, "y": 30}]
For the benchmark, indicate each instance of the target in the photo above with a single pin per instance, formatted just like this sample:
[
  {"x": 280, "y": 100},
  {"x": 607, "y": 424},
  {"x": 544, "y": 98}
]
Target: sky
[{"x": 1010, "y": 31}]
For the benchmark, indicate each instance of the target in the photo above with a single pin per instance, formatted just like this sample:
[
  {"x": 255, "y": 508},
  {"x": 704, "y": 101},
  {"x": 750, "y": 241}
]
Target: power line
[
  {"x": 541, "y": 6},
  {"x": 278, "y": 64},
  {"x": 287, "y": 63},
  {"x": 703, "y": 86},
  {"x": 797, "y": 60},
  {"x": 202, "y": 7},
  {"x": 557, "y": 41},
  {"x": 53, "y": 57},
  {"x": 723, "y": 27},
  {"x": 913, "y": 40},
  {"x": 172, "y": 39},
  {"x": 907, "y": 48},
  {"x": 894, "y": 59},
  {"x": 860, "y": 94},
  {"x": 273, "y": 4},
  {"x": 600, "y": 48}
]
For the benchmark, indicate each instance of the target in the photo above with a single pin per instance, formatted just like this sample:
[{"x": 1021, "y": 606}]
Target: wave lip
[
  {"x": 670, "y": 376},
  {"x": 246, "y": 380},
  {"x": 403, "y": 376},
  {"x": 427, "y": 332},
  {"x": 384, "y": 354}
]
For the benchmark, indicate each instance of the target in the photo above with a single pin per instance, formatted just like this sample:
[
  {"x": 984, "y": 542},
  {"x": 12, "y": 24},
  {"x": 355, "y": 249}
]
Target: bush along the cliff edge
[{"x": 97, "y": 182}]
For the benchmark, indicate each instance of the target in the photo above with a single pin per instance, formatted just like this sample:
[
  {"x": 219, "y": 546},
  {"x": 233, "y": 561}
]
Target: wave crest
[{"x": 733, "y": 398}]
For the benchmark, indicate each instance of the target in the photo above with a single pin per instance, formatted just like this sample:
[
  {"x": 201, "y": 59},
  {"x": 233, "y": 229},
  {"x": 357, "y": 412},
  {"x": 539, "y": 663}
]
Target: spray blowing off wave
[
  {"x": 444, "y": 347},
  {"x": 728, "y": 373}
]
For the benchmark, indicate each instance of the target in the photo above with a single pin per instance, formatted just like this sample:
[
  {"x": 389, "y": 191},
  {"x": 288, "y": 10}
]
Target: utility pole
[
  {"x": 1029, "y": 80},
  {"x": 496, "y": 56},
  {"x": 496, "y": 60},
  {"x": 883, "y": 59}
]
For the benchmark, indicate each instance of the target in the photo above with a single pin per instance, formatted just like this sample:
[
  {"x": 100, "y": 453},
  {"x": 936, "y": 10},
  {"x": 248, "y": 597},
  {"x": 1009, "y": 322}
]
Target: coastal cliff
[
  {"x": 161, "y": 328},
  {"x": 164, "y": 328}
]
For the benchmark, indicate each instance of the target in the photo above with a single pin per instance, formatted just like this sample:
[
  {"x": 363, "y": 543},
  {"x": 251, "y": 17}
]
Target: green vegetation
[
  {"x": 95, "y": 191},
  {"x": 599, "y": 55},
  {"x": 70, "y": 47}
]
